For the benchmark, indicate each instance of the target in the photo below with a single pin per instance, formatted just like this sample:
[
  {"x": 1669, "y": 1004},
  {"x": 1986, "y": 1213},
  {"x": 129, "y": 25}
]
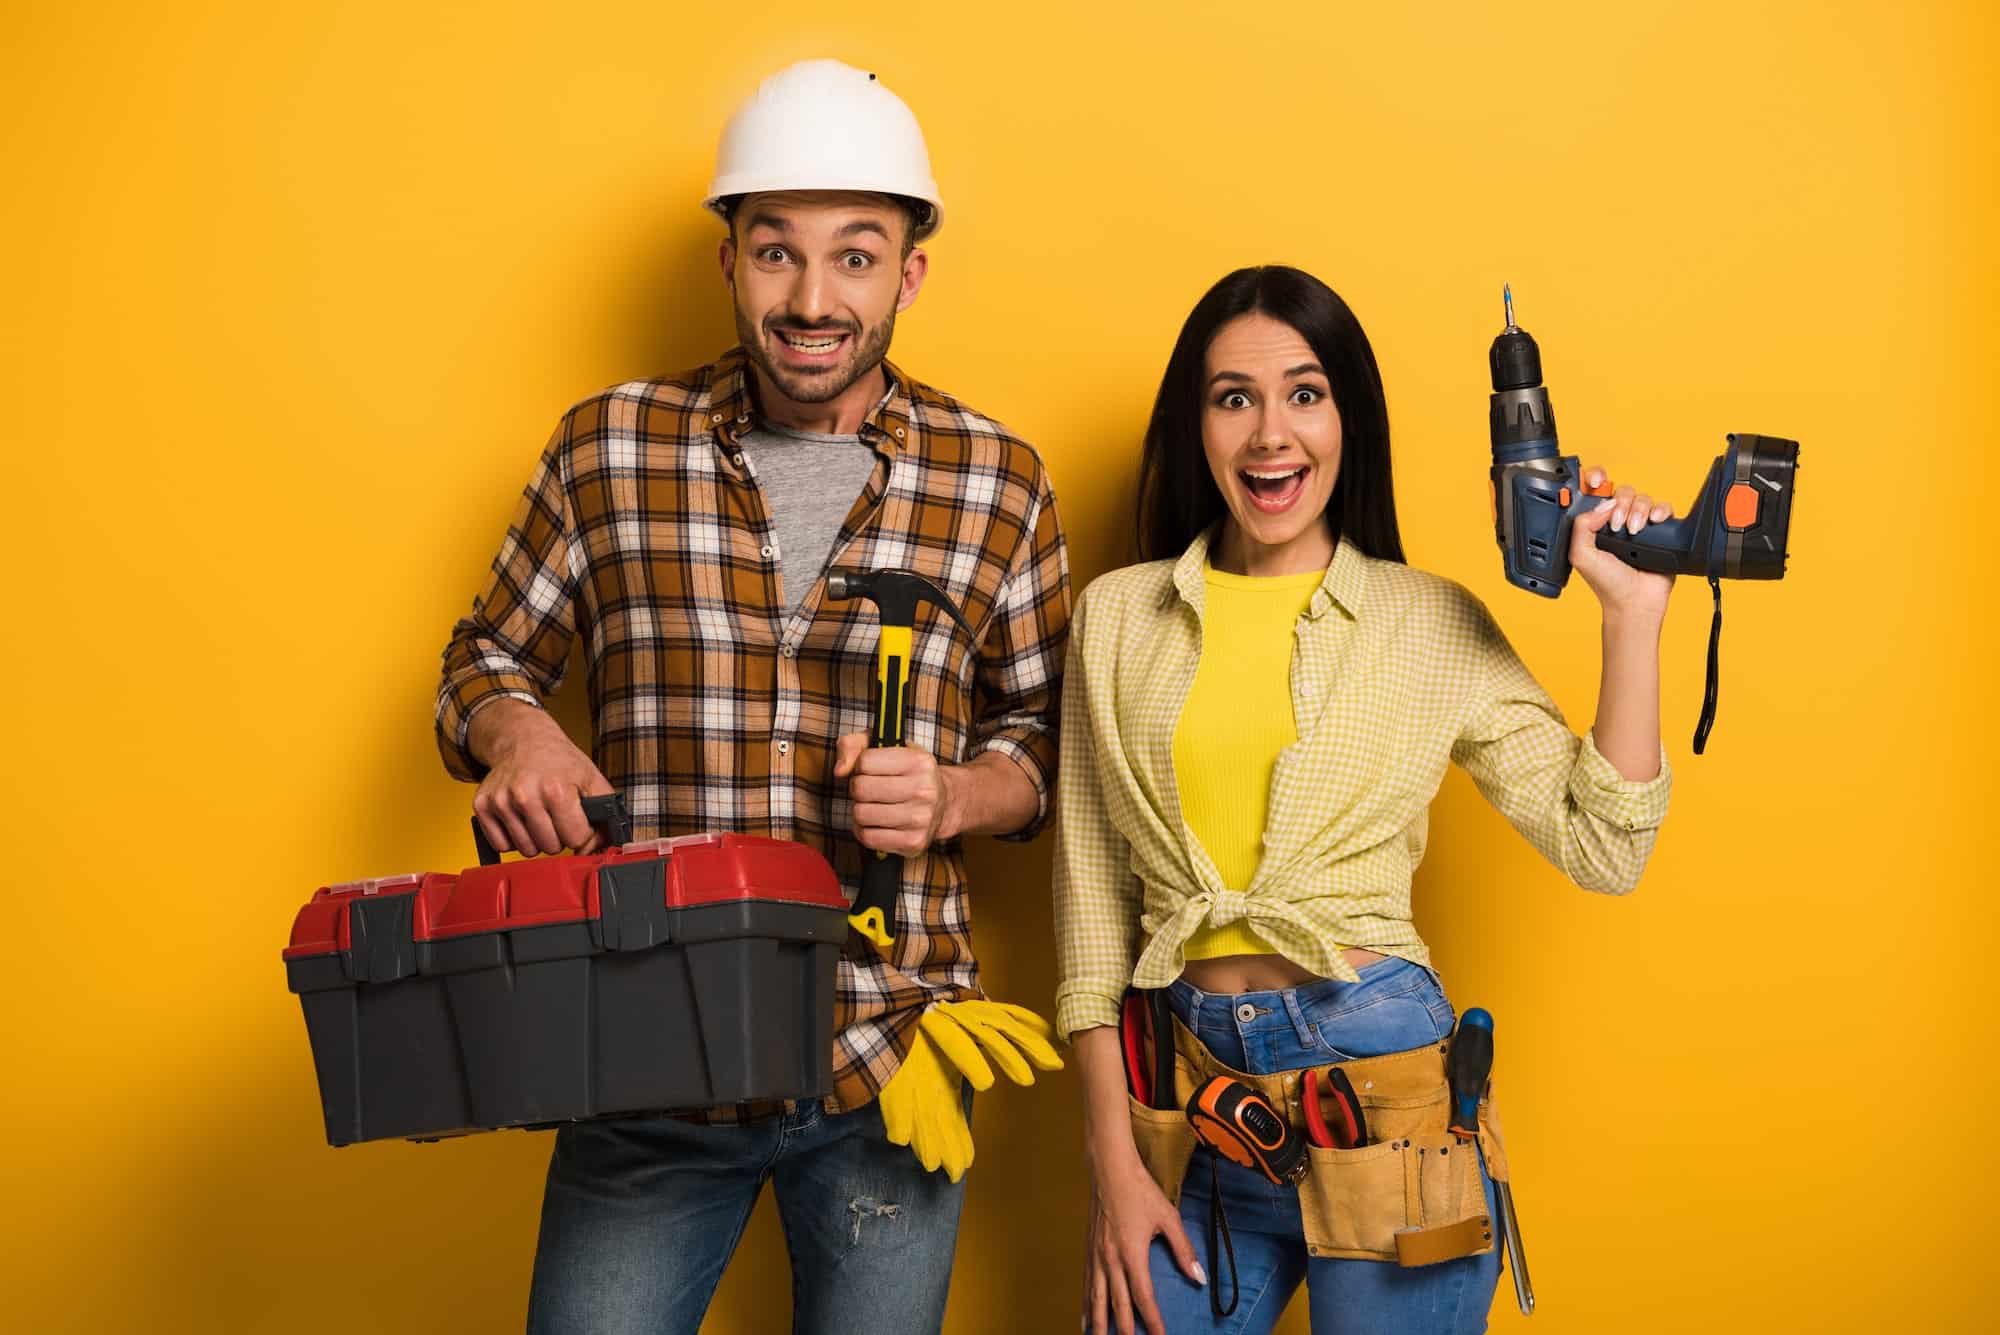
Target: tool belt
[{"x": 1412, "y": 1195}]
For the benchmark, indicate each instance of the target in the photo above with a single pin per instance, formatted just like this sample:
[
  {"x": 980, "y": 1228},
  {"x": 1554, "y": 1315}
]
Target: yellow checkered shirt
[{"x": 1395, "y": 673}]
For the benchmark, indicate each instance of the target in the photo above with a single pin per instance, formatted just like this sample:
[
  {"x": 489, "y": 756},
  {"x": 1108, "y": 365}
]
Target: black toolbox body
[{"x": 677, "y": 973}]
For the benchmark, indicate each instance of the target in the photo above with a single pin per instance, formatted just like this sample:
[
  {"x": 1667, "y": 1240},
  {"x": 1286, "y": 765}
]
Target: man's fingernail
[{"x": 1200, "y": 1275}]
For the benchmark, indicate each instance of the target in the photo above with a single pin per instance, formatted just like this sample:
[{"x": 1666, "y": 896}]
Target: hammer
[{"x": 895, "y": 594}]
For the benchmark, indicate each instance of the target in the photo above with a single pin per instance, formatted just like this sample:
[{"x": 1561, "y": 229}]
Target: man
[{"x": 682, "y": 528}]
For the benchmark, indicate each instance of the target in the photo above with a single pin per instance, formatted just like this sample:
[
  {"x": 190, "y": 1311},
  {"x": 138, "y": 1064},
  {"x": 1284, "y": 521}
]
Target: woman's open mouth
[
  {"x": 817, "y": 348},
  {"x": 1273, "y": 490}
]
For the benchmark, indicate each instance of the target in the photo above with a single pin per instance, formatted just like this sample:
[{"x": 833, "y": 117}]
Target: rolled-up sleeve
[
  {"x": 1097, "y": 895},
  {"x": 1021, "y": 663},
  {"x": 1556, "y": 788},
  {"x": 515, "y": 644}
]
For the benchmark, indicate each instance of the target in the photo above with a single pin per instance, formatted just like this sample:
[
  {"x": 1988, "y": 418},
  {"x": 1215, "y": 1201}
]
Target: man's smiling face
[{"x": 818, "y": 277}]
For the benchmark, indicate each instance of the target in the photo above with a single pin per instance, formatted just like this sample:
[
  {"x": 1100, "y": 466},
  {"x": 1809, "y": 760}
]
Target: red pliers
[{"x": 1334, "y": 1120}]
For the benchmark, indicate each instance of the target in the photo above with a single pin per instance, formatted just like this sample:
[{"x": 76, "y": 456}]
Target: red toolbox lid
[
  {"x": 324, "y": 925},
  {"x": 701, "y": 869}
]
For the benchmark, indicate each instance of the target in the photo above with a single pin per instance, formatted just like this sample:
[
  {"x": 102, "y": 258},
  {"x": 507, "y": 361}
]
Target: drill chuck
[{"x": 1515, "y": 360}]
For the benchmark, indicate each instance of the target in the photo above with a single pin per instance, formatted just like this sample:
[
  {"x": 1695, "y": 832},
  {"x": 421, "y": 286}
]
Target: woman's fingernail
[{"x": 1200, "y": 1275}]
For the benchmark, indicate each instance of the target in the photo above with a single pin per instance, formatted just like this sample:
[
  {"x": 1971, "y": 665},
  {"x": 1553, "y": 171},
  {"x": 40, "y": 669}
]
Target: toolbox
[{"x": 670, "y": 974}]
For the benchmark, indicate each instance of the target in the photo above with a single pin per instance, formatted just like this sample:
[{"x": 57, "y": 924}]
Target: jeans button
[{"x": 1245, "y": 1013}]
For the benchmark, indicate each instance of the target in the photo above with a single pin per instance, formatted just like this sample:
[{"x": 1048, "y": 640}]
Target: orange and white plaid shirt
[{"x": 644, "y": 533}]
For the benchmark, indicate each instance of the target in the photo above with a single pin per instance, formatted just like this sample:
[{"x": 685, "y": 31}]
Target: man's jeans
[
  {"x": 1395, "y": 1006},
  {"x": 641, "y": 1216}
]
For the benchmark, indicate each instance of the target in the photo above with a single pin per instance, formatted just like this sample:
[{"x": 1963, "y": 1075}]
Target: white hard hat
[{"x": 822, "y": 125}]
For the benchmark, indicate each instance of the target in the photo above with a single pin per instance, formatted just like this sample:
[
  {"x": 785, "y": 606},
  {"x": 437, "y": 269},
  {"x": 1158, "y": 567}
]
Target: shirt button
[
  {"x": 786, "y": 651},
  {"x": 1245, "y": 1013},
  {"x": 737, "y": 459},
  {"x": 742, "y": 419},
  {"x": 715, "y": 417},
  {"x": 764, "y": 552},
  {"x": 784, "y": 748},
  {"x": 899, "y": 433}
]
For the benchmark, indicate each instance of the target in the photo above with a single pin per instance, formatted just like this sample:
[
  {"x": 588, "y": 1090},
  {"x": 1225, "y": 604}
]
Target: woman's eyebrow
[{"x": 1303, "y": 368}]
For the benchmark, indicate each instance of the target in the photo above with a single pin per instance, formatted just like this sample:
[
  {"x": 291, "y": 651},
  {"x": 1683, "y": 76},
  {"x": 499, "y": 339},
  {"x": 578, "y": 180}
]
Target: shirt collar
[
  {"x": 1343, "y": 585},
  {"x": 732, "y": 405}
]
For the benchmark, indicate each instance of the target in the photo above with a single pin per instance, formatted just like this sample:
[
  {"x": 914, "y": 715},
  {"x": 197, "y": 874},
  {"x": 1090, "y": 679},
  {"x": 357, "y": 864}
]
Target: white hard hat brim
[{"x": 726, "y": 188}]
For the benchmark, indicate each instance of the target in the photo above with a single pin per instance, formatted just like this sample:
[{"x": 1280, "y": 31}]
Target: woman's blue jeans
[{"x": 1396, "y": 1006}]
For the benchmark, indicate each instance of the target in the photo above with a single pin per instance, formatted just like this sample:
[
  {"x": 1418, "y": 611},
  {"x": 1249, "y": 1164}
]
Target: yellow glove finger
[
  {"x": 898, "y": 1119},
  {"x": 1029, "y": 1039},
  {"x": 1008, "y": 1032},
  {"x": 960, "y": 1156},
  {"x": 957, "y": 1046},
  {"x": 949, "y": 1134},
  {"x": 1000, "y": 1048},
  {"x": 1034, "y": 1035},
  {"x": 903, "y": 1095},
  {"x": 933, "y": 1081}
]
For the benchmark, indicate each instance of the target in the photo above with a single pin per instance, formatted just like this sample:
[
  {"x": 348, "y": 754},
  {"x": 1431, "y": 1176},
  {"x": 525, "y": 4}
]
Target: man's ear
[
  {"x": 727, "y": 256},
  {"x": 915, "y": 266}
]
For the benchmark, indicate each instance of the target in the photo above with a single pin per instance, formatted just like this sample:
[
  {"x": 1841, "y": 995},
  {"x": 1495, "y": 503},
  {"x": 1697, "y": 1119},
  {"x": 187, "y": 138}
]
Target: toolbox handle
[{"x": 606, "y": 814}]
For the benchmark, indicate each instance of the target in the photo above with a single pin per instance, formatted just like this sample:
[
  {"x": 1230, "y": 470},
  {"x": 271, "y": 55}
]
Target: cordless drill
[{"x": 1736, "y": 529}]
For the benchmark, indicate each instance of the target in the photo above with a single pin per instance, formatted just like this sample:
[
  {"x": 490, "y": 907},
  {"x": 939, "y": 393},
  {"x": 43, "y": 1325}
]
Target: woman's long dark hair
[{"x": 1178, "y": 497}]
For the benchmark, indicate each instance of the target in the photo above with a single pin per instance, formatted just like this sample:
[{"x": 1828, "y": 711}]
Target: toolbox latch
[
  {"x": 383, "y": 947},
  {"x": 632, "y": 904}
]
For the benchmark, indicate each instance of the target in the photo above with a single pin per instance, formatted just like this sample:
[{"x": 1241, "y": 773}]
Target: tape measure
[{"x": 1241, "y": 1125}]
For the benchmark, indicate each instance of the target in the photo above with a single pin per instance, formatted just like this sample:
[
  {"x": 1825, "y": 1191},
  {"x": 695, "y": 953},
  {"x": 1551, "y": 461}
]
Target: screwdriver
[{"x": 1467, "y": 1068}]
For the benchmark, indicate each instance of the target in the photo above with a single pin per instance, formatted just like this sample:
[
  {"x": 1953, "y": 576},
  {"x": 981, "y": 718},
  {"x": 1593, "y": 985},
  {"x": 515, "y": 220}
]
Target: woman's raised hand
[{"x": 1621, "y": 589}]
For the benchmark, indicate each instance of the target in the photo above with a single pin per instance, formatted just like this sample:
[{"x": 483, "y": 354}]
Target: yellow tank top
[{"x": 1238, "y": 717}]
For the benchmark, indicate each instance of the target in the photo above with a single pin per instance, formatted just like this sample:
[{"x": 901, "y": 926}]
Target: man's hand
[
  {"x": 903, "y": 801},
  {"x": 532, "y": 796}
]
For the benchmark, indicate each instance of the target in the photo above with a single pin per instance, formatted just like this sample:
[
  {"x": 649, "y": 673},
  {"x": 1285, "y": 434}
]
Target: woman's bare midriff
[{"x": 1229, "y": 974}]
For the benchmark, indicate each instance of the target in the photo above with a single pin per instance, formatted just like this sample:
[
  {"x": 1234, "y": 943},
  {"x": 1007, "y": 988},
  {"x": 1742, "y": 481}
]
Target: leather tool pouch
[{"x": 1413, "y": 1195}]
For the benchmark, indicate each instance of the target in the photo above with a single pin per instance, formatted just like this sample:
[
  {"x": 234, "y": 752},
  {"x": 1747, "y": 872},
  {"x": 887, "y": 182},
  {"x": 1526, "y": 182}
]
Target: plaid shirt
[{"x": 644, "y": 532}]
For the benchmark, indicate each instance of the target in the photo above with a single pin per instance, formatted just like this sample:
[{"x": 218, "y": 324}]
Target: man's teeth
[{"x": 820, "y": 344}]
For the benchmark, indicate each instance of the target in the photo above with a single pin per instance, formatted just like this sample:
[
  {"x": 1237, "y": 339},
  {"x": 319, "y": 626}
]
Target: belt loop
[{"x": 1307, "y": 1037}]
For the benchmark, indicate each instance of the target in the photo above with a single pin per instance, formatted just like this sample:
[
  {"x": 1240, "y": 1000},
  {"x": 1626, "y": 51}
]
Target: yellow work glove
[
  {"x": 921, "y": 1108},
  {"x": 1006, "y": 1032},
  {"x": 922, "y": 1105}
]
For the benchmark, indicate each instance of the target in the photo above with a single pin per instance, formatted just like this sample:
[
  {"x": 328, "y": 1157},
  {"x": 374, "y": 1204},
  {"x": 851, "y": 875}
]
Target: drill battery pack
[{"x": 675, "y": 973}]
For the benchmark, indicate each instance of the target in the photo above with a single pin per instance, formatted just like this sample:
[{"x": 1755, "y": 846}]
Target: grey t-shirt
[{"x": 810, "y": 482}]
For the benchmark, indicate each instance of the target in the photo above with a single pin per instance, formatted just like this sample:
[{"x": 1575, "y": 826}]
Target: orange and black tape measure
[{"x": 1241, "y": 1125}]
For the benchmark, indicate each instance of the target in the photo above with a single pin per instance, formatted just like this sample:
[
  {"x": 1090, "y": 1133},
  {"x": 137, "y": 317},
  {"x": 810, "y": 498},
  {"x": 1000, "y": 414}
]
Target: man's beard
[{"x": 866, "y": 349}]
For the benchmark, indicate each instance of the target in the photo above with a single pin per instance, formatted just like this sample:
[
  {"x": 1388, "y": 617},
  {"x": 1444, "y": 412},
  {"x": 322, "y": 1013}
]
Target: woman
[{"x": 1254, "y": 724}]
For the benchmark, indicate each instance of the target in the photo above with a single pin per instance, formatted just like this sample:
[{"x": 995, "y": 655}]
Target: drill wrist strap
[
  {"x": 1218, "y": 1221},
  {"x": 1708, "y": 693}
]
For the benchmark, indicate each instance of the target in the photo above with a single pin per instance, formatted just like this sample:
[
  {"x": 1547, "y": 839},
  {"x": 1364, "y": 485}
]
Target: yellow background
[{"x": 292, "y": 295}]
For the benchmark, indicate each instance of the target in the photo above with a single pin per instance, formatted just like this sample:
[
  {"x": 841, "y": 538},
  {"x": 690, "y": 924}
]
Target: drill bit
[{"x": 1507, "y": 297}]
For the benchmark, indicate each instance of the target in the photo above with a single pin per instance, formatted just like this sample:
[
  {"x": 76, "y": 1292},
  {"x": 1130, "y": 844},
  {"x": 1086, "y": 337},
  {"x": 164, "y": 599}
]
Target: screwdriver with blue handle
[{"x": 1468, "y": 1067}]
